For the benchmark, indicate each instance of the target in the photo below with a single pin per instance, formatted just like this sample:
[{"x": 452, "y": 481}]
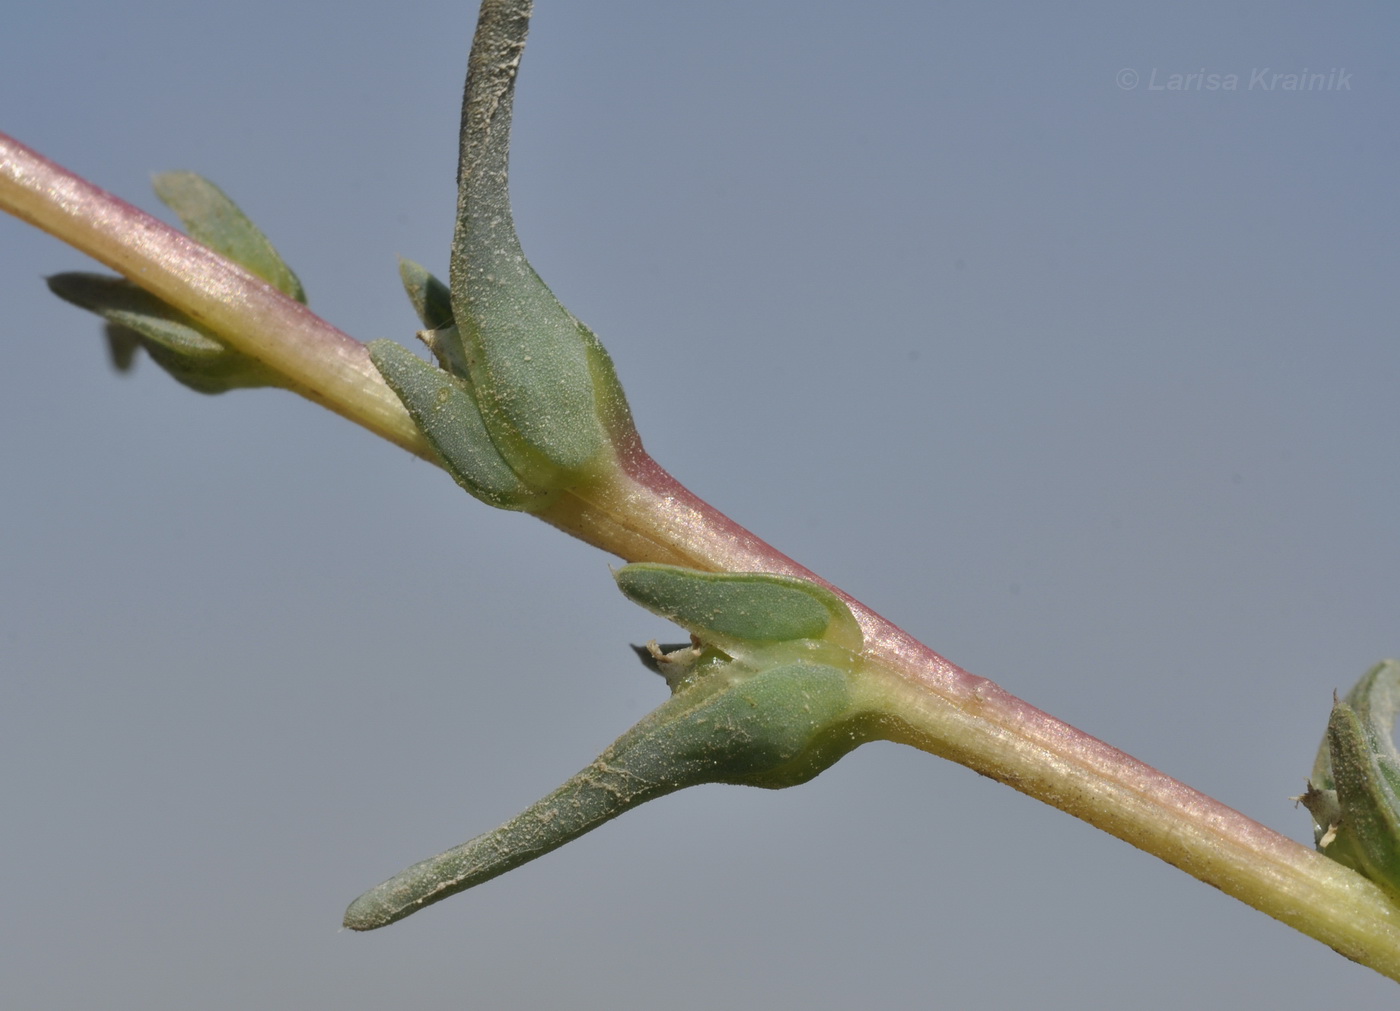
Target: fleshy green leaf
[
  {"x": 778, "y": 728},
  {"x": 546, "y": 386},
  {"x": 212, "y": 218},
  {"x": 122, "y": 345},
  {"x": 433, "y": 304},
  {"x": 1364, "y": 769},
  {"x": 431, "y": 299},
  {"x": 728, "y": 607},
  {"x": 181, "y": 346},
  {"x": 177, "y": 343},
  {"x": 443, "y": 407},
  {"x": 1354, "y": 792}
]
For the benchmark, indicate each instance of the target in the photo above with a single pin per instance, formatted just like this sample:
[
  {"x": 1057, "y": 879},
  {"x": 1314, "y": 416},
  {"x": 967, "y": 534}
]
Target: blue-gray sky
[{"x": 1088, "y": 382}]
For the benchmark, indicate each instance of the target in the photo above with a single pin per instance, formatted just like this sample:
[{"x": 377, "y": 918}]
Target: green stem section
[{"x": 1003, "y": 738}]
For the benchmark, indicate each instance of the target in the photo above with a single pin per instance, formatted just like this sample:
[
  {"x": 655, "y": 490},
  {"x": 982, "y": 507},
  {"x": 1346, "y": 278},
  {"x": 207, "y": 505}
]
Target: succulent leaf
[
  {"x": 213, "y": 219},
  {"x": 752, "y": 607},
  {"x": 181, "y": 346},
  {"x": 191, "y": 353},
  {"x": 443, "y": 407},
  {"x": 547, "y": 388},
  {"x": 777, "y": 728},
  {"x": 431, "y": 299},
  {"x": 1354, "y": 792}
]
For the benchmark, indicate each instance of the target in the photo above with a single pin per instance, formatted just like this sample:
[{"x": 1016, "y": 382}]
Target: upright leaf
[
  {"x": 546, "y": 386},
  {"x": 213, "y": 219}
]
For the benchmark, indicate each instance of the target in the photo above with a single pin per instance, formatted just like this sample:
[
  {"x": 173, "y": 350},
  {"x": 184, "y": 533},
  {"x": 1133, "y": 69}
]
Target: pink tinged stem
[
  {"x": 323, "y": 363},
  {"x": 647, "y": 515},
  {"x": 940, "y": 708}
]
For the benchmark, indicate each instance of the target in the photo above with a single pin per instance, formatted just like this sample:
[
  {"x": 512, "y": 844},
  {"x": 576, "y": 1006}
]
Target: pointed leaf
[
  {"x": 186, "y": 350},
  {"x": 431, "y": 299},
  {"x": 212, "y": 218},
  {"x": 122, "y": 345},
  {"x": 779, "y": 728},
  {"x": 444, "y": 409},
  {"x": 1354, "y": 791},
  {"x": 1369, "y": 826},
  {"x": 1376, "y": 699},
  {"x": 433, "y": 303}
]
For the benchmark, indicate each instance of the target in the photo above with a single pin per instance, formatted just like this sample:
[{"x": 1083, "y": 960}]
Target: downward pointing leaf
[
  {"x": 776, "y": 729},
  {"x": 177, "y": 343}
]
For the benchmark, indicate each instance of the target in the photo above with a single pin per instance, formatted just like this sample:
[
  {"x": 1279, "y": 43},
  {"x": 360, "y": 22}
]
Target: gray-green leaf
[
  {"x": 546, "y": 386},
  {"x": 188, "y": 351},
  {"x": 778, "y": 728},
  {"x": 730, "y": 607},
  {"x": 443, "y": 407},
  {"x": 431, "y": 299},
  {"x": 1354, "y": 792},
  {"x": 212, "y": 218}
]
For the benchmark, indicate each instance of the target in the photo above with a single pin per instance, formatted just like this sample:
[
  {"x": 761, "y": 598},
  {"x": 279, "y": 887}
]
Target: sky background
[{"x": 1091, "y": 387}]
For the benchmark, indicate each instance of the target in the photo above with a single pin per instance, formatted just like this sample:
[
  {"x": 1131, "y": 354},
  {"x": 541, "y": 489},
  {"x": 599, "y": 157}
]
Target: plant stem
[
  {"x": 324, "y": 364},
  {"x": 932, "y": 703},
  {"x": 1006, "y": 739},
  {"x": 940, "y": 708}
]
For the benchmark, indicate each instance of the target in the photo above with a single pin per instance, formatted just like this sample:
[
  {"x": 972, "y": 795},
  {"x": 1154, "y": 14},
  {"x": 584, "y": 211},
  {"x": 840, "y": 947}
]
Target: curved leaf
[{"x": 547, "y": 388}]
